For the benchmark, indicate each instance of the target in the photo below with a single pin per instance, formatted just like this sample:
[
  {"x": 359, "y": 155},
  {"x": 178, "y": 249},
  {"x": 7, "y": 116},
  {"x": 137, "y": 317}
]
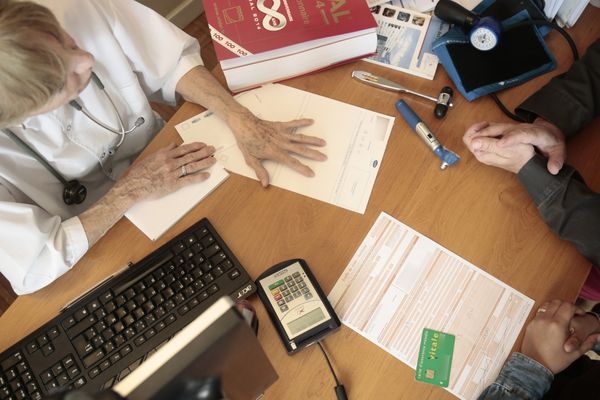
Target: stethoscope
[{"x": 75, "y": 192}]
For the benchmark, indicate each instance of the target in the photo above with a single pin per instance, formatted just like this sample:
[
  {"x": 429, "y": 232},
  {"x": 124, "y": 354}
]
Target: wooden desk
[{"x": 479, "y": 212}]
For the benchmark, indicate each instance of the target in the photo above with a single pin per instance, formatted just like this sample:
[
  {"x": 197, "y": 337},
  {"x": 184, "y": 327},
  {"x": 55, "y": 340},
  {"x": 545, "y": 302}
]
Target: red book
[{"x": 261, "y": 41}]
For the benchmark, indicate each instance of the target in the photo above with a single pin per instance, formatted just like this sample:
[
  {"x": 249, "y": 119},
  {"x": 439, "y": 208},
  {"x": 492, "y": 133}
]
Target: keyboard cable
[{"x": 340, "y": 392}]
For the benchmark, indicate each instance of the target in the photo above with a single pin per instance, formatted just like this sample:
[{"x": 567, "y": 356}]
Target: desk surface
[{"x": 478, "y": 212}]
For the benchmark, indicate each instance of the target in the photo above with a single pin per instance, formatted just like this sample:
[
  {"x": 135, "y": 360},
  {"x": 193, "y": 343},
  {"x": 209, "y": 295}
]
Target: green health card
[{"x": 435, "y": 357}]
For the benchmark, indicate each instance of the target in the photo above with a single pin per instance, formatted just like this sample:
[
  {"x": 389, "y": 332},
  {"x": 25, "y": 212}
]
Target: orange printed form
[
  {"x": 400, "y": 282},
  {"x": 262, "y": 41}
]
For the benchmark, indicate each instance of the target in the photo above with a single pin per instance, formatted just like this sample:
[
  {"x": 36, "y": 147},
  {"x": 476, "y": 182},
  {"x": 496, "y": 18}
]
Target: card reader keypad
[{"x": 288, "y": 289}]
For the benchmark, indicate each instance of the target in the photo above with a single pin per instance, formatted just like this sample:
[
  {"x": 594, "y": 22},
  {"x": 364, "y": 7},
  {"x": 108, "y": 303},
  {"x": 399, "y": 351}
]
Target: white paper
[
  {"x": 154, "y": 217},
  {"x": 356, "y": 140},
  {"x": 399, "y": 282}
]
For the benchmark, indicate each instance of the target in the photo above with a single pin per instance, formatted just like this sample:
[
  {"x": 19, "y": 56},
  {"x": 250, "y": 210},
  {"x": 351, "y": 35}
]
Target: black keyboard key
[
  {"x": 126, "y": 350},
  {"x": 218, "y": 258},
  {"x": 234, "y": 274},
  {"x": 93, "y": 358},
  {"x": 178, "y": 247},
  {"x": 47, "y": 349},
  {"x": 138, "y": 313},
  {"x": 68, "y": 361},
  {"x": 213, "y": 289},
  {"x": 32, "y": 387},
  {"x": 80, "y": 314},
  {"x": 129, "y": 293},
  {"x": 82, "y": 326},
  {"x": 31, "y": 348},
  {"x": 73, "y": 372},
  {"x": 46, "y": 376},
  {"x": 53, "y": 333},
  {"x": 115, "y": 358},
  {"x": 104, "y": 365},
  {"x": 15, "y": 358},
  {"x": 93, "y": 306},
  {"x": 109, "y": 347},
  {"x": 207, "y": 241},
  {"x": 140, "y": 340},
  {"x": 94, "y": 372},
  {"x": 119, "y": 340},
  {"x": 82, "y": 346},
  {"x": 62, "y": 379},
  {"x": 57, "y": 369},
  {"x": 120, "y": 300},
  {"x": 106, "y": 297},
  {"x": 211, "y": 250},
  {"x": 79, "y": 382}
]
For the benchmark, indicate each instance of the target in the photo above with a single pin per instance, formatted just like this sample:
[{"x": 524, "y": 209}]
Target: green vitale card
[{"x": 435, "y": 357}]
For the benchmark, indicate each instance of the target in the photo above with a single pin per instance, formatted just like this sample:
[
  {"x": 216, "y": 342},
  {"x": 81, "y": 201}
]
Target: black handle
[{"x": 454, "y": 13}]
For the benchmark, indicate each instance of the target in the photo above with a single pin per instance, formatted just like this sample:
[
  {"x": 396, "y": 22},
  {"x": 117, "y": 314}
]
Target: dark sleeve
[
  {"x": 566, "y": 204},
  {"x": 571, "y": 100}
]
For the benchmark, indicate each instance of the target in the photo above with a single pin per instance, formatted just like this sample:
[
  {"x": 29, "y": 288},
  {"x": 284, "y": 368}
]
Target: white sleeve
[
  {"x": 35, "y": 247},
  {"x": 159, "y": 52}
]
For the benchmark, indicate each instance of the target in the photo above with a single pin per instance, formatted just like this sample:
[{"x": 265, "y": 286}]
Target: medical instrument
[
  {"x": 443, "y": 101},
  {"x": 122, "y": 131},
  {"x": 484, "y": 32},
  {"x": 448, "y": 157},
  {"x": 74, "y": 192}
]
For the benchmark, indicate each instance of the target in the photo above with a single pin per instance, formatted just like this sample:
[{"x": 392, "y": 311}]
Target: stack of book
[{"x": 260, "y": 41}]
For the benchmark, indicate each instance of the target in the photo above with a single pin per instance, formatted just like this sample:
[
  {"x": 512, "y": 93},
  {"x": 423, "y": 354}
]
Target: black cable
[
  {"x": 536, "y": 22},
  {"x": 339, "y": 389}
]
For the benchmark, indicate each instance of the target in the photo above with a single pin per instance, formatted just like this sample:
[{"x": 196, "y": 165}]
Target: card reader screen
[{"x": 305, "y": 321}]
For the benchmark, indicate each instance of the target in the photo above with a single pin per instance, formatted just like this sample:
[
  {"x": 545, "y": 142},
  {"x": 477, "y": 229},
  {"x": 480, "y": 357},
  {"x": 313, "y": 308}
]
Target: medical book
[{"x": 259, "y": 41}]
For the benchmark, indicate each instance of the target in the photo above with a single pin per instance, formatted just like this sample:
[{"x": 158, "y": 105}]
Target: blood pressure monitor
[{"x": 296, "y": 304}]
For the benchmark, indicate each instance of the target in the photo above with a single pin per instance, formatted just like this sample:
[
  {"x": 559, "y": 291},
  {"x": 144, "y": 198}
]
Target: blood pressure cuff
[{"x": 520, "y": 55}]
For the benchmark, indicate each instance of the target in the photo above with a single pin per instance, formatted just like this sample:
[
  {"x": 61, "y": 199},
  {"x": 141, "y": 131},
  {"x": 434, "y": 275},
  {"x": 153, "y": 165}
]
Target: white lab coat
[{"x": 139, "y": 55}]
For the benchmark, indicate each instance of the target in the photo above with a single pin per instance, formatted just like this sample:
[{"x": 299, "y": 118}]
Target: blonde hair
[{"x": 30, "y": 72}]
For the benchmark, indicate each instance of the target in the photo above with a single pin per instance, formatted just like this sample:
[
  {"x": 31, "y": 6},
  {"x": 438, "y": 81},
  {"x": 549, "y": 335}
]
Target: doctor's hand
[
  {"x": 167, "y": 170},
  {"x": 544, "y": 136},
  {"x": 278, "y": 141},
  {"x": 546, "y": 334},
  {"x": 483, "y": 140}
]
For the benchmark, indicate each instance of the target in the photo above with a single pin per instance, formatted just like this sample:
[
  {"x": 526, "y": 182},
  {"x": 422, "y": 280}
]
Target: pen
[{"x": 448, "y": 157}]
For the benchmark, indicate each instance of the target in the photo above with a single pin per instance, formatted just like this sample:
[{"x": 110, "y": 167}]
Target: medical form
[
  {"x": 399, "y": 282},
  {"x": 356, "y": 141}
]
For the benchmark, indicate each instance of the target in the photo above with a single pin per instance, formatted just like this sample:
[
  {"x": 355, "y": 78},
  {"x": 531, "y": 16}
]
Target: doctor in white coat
[{"x": 47, "y": 60}]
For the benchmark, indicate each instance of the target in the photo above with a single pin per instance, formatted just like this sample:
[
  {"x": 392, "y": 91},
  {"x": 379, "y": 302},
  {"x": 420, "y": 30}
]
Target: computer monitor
[{"x": 217, "y": 344}]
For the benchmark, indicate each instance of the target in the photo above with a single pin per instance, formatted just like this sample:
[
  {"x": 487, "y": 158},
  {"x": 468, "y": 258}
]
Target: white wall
[{"x": 180, "y": 12}]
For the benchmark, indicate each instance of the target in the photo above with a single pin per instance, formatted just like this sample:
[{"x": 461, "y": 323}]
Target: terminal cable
[{"x": 340, "y": 392}]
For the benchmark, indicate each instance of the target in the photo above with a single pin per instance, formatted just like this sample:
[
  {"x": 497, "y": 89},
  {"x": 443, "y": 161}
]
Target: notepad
[
  {"x": 155, "y": 217},
  {"x": 356, "y": 141}
]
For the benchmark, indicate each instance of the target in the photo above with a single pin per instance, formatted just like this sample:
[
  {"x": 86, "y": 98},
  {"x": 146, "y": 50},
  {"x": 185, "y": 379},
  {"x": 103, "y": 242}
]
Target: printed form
[
  {"x": 356, "y": 140},
  {"x": 399, "y": 282}
]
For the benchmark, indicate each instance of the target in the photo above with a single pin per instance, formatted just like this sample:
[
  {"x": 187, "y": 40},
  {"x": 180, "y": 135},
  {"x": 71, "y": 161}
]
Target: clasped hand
[
  {"x": 559, "y": 334},
  {"x": 510, "y": 146}
]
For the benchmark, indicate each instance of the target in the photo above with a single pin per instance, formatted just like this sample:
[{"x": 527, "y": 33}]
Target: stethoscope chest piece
[{"x": 74, "y": 192}]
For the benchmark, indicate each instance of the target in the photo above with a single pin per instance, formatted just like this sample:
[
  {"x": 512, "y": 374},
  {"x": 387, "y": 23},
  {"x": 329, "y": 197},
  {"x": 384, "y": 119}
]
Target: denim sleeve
[
  {"x": 567, "y": 205},
  {"x": 521, "y": 378}
]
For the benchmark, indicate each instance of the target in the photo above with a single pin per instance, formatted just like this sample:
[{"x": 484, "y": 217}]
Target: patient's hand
[
  {"x": 547, "y": 333},
  {"x": 544, "y": 136},
  {"x": 483, "y": 140},
  {"x": 582, "y": 326}
]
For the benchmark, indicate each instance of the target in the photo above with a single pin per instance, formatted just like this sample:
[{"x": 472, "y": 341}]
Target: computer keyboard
[{"x": 109, "y": 331}]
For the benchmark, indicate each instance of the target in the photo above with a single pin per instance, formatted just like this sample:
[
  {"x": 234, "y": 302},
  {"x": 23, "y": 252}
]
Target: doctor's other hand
[
  {"x": 483, "y": 140},
  {"x": 265, "y": 140},
  {"x": 546, "y": 334},
  {"x": 544, "y": 136},
  {"x": 167, "y": 170}
]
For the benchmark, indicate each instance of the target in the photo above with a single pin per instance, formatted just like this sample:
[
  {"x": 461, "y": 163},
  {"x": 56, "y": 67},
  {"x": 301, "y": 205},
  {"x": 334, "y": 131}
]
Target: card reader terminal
[{"x": 296, "y": 304}]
